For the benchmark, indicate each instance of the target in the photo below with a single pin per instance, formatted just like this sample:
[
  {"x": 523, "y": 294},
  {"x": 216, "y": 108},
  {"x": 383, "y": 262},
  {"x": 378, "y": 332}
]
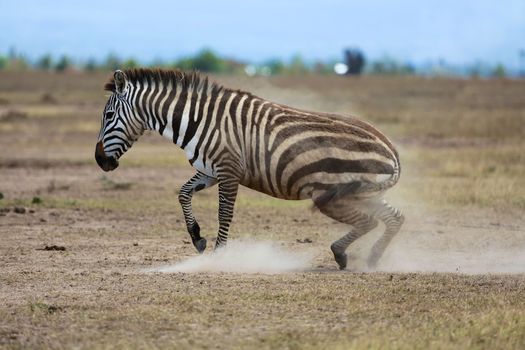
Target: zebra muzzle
[{"x": 104, "y": 162}]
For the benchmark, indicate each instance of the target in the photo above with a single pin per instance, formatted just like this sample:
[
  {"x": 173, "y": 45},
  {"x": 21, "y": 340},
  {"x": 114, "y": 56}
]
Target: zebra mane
[{"x": 175, "y": 77}]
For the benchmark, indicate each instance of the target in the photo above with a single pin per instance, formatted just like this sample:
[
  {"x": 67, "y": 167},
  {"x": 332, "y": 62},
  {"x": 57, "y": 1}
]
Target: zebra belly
[
  {"x": 306, "y": 186},
  {"x": 203, "y": 167},
  {"x": 318, "y": 169}
]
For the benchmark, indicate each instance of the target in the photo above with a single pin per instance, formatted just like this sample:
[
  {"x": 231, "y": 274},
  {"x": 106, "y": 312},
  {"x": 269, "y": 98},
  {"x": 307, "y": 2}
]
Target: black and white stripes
[{"x": 234, "y": 138}]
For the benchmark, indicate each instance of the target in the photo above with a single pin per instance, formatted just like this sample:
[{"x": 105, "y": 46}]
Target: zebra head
[{"x": 120, "y": 128}]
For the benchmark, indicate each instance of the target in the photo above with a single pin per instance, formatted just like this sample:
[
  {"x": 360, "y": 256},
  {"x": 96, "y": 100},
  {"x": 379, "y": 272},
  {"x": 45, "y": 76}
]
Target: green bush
[
  {"x": 205, "y": 61},
  {"x": 499, "y": 71},
  {"x": 3, "y": 62},
  {"x": 63, "y": 63},
  {"x": 130, "y": 63},
  {"x": 276, "y": 66},
  {"x": 91, "y": 65},
  {"x": 45, "y": 62},
  {"x": 112, "y": 62}
]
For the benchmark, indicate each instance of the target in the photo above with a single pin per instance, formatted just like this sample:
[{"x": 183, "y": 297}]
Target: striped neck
[{"x": 170, "y": 104}]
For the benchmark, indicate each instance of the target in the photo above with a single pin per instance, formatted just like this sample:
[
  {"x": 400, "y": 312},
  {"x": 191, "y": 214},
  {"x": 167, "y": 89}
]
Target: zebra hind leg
[
  {"x": 344, "y": 212},
  {"x": 393, "y": 219}
]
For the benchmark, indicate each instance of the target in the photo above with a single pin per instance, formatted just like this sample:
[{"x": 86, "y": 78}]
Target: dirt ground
[{"x": 76, "y": 243}]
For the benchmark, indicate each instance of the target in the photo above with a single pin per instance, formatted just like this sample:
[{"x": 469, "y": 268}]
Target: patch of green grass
[
  {"x": 11, "y": 202},
  {"x": 123, "y": 203},
  {"x": 43, "y": 307},
  {"x": 44, "y": 203},
  {"x": 109, "y": 184}
]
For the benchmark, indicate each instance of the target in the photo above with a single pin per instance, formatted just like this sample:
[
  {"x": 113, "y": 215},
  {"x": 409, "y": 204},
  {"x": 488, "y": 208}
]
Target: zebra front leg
[
  {"x": 227, "y": 194},
  {"x": 197, "y": 183}
]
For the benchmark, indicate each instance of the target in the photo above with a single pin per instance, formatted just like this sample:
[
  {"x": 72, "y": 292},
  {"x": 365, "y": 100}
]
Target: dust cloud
[
  {"x": 470, "y": 246},
  {"x": 483, "y": 262},
  {"x": 241, "y": 256}
]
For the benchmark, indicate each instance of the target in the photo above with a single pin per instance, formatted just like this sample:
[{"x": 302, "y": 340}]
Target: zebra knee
[
  {"x": 389, "y": 215},
  {"x": 394, "y": 223},
  {"x": 369, "y": 225},
  {"x": 183, "y": 197}
]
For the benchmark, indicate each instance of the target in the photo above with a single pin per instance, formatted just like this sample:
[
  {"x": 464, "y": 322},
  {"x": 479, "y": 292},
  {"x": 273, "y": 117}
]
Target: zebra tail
[
  {"x": 385, "y": 185},
  {"x": 355, "y": 188}
]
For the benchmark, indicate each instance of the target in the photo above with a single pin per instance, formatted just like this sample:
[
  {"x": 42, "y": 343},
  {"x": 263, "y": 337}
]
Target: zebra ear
[{"x": 121, "y": 81}]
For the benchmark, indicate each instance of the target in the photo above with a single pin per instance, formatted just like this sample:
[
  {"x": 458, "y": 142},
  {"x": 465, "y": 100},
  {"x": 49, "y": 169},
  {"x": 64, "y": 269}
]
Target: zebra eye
[{"x": 109, "y": 115}]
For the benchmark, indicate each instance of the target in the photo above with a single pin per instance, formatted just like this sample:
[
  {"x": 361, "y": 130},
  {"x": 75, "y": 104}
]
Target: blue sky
[{"x": 460, "y": 31}]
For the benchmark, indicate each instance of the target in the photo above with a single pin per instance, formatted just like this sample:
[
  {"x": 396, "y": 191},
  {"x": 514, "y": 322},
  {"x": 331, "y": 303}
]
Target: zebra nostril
[
  {"x": 100, "y": 155},
  {"x": 99, "y": 150},
  {"x": 104, "y": 162}
]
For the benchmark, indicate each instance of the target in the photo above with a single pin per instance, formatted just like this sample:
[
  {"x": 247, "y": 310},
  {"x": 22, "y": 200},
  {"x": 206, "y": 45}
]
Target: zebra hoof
[
  {"x": 200, "y": 245},
  {"x": 340, "y": 257},
  {"x": 341, "y": 260}
]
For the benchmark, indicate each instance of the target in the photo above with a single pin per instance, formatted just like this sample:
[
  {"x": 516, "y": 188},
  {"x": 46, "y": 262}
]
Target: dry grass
[
  {"x": 483, "y": 176},
  {"x": 313, "y": 310},
  {"x": 462, "y": 188}
]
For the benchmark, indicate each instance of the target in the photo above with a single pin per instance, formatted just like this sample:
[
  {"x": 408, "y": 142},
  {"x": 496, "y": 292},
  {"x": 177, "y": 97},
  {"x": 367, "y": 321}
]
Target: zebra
[{"x": 233, "y": 138}]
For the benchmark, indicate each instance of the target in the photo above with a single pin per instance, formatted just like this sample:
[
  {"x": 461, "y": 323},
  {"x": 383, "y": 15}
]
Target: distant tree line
[{"x": 353, "y": 62}]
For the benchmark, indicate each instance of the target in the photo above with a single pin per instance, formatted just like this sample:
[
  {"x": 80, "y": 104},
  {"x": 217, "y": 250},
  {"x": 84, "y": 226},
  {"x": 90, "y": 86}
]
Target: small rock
[
  {"x": 53, "y": 247},
  {"x": 135, "y": 244},
  {"x": 48, "y": 98},
  {"x": 13, "y": 115},
  {"x": 306, "y": 240},
  {"x": 19, "y": 210}
]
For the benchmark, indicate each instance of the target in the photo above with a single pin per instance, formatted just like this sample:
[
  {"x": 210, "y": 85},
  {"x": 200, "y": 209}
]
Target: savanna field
[{"x": 76, "y": 243}]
